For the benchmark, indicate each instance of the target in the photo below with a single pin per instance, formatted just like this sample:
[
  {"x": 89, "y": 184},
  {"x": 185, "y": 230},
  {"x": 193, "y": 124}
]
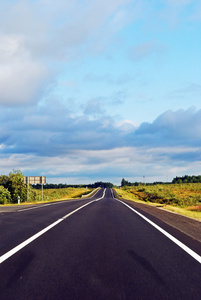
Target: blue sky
[{"x": 98, "y": 90}]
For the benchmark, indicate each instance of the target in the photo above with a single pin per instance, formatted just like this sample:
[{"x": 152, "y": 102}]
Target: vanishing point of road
[{"x": 94, "y": 248}]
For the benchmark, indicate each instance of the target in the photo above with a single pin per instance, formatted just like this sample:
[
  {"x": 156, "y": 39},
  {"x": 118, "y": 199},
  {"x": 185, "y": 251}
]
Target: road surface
[{"x": 95, "y": 248}]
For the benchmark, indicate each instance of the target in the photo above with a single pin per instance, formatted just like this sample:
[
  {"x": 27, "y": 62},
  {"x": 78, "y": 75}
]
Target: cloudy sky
[{"x": 100, "y": 90}]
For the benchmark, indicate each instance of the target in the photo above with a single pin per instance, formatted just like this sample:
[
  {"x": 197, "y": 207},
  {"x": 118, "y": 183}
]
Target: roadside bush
[
  {"x": 5, "y": 196},
  {"x": 14, "y": 183},
  {"x": 16, "y": 186},
  {"x": 182, "y": 195}
]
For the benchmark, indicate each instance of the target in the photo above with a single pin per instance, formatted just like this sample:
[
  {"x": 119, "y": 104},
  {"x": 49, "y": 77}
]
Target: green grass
[
  {"x": 182, "y": 198},
  {"x": 185, "y": 212},
  {"x": 60, "y": 194}
]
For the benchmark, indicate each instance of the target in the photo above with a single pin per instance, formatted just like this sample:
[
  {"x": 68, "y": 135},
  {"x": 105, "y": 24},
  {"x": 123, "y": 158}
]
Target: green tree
[
  {"x": 16, "y": 186},
  {"x": 124, "y": 182},
  {"x": 5, "y": 196},
  {"x": 4, "y": 180}
]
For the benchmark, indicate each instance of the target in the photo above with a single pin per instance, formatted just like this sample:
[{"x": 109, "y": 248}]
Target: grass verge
[
  {"x": 61, "y": 194},
  {"x": 184, "y": 199},
  {"x": 50, "y": 195}
]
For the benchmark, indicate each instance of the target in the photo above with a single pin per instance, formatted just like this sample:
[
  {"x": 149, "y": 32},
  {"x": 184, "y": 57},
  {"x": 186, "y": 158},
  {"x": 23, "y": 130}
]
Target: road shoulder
[{"x": 184, "y": 224}]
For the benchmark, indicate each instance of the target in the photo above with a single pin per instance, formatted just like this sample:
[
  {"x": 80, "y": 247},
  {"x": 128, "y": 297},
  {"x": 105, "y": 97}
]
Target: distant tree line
[
  {"x": 63, "y": 185},
  {"x": 176, "y": 180},
  {"x": 187, "y": 179},
  {"x": 127, "y": 183}
]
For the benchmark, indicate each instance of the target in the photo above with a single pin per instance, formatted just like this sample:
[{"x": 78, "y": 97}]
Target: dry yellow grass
[
  {"x": 60, "y": 194},
  {"x": 184, "y": 211},
  {"x": 184, "y": 199}
]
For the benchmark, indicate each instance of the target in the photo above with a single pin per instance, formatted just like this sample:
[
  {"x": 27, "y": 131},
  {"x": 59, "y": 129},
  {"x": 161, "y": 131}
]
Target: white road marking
[
  {"x": 28, "y": 241},
  {"x": 39, "y": 206},
  {"x": 35, "y": 236},
  {"x": 60, "y": 202},
  {"x": 68, "y": 215},
  {"x": 171, "y": 237}
]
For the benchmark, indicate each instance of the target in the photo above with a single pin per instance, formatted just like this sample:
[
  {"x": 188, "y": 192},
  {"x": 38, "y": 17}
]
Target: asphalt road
[{"x": 95, "y": 250}]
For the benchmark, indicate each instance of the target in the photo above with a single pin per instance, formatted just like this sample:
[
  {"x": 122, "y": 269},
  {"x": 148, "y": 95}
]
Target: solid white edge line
[
  {"x": 60, "y": 202},
  {"x": 69, "y": 214},
  {"x": 35, "y": 236},
  {"x": 28, "y": 241},
  {"x": 39, "y": 206},
  {"x": 168, "y": 235}
]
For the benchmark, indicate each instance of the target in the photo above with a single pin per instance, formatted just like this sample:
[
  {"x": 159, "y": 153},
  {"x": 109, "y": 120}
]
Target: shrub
[{"x": 5, "y": 196}]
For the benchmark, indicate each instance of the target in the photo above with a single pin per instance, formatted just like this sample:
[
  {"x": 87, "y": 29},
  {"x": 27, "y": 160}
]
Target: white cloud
[
  {"x": 55, "y": 28},
  {"x": 38, "y": 131},
  {"x": 22, "y": 83},
  {"x": 22, "y": 79},
  {"x": 38, "y": 39},
  {"x": 36, "y": 143},
  {"x": 85, "y": 166},
  {"x": 171, "y": 128},
  {"x": 126, "y": 126},
  {"x": 36, "y": 36}
]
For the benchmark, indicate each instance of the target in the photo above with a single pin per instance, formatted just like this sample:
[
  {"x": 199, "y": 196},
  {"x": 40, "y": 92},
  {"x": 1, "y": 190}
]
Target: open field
[
  {"x": 55, "y": 195},
  {"x": 182, "y": 198},
  {"x": 58, "y": 194}
]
